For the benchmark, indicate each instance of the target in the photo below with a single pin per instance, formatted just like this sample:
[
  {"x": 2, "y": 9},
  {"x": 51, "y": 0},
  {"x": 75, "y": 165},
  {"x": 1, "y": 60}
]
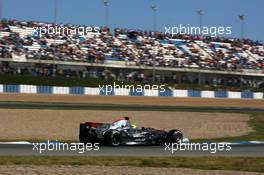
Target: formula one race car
[{"x": 122, "y": 132}]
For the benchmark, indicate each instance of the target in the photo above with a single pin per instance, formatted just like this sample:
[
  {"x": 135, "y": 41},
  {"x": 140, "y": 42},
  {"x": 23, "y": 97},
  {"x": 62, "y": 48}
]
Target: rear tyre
[
  {"x": 174, "y": 136},
  {"x": 113, "y": 138},
  {"x": 86, "y": 135}
]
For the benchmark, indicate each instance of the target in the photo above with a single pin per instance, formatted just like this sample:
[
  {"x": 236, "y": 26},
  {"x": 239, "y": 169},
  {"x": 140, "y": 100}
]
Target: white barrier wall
[
  {"x": 231, "y": 94},
  {"x": 207, "y": 94},
  {"x": 28, "y": 89},
  {"x": 91, "y": 91},
  {"x": 150, "y": 92},
  {"x": 121, "y": 91},
  {"x": 61, "y": 90},
  {"x": 31, "y": 89},
  {"x": 258, "y": 95},
  {"x": 180, "y": 93}
]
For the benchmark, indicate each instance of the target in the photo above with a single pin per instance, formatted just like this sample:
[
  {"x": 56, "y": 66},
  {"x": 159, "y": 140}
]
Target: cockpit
[{"x": 123, "y": 123}]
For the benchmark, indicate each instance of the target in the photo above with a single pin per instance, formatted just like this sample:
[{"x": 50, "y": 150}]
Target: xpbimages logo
[
  {"x": 212, "y": 31},
  {"x": 65, "y": 30},
  {"x": 204, "y": 147},
  {"x": 123, "y": 88},
  {"x": 59, "y": 146}
]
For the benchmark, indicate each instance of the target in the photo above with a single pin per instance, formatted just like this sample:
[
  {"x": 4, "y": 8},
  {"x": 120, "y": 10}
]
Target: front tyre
[{"x": 174, "y": 136}]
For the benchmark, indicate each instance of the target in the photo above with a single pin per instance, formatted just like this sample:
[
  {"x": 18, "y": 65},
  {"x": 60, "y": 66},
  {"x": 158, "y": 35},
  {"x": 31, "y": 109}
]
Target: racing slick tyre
[
  {"x": 113, "y": 138},
  {"x": 86, "y": 135},
  {"x": 174, "y": 136}
]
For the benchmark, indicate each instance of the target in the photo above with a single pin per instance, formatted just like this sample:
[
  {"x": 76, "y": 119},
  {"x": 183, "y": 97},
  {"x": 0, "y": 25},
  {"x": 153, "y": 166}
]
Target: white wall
[
  {"x": 150, "y": 92},
  {"x": 231, "y": 94},
  {"x": 61, "y": 90},
  {"x": 207, "y": 94},
  {"x": 31, "y": 89},
  {"x": 91, "y": 91},
  {"x": 180, "y": 93},
  {"x": 258, "y": 95},
  {"x": 121, "y": 91},
  {"x": 28, "y": 89}
]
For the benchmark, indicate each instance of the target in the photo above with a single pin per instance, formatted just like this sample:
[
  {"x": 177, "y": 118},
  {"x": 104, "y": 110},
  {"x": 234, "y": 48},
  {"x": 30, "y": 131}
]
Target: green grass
[
  {"x": 56, "y": 81},
  {"x": 207, "y": 163}
]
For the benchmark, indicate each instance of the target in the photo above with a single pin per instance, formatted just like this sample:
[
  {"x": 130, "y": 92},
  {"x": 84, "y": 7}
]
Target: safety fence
[{"x": 31, "y": 89}]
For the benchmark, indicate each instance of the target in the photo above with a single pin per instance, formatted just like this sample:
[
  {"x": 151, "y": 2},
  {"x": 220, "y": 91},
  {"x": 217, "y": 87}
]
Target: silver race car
[{"x": 122, "y": 132}]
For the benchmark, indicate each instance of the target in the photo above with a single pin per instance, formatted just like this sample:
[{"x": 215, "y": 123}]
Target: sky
[{"x": 137, "y": 14}]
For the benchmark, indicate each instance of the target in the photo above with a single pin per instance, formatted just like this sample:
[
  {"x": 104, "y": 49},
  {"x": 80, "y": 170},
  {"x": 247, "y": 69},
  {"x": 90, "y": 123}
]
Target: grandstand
[{"x": 131, "y": 55}]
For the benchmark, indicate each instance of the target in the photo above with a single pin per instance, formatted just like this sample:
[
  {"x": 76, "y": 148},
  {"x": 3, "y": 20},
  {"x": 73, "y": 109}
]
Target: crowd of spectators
[
  {"x": 135, "y": 47},
  {"x": 132, "y": 47}
]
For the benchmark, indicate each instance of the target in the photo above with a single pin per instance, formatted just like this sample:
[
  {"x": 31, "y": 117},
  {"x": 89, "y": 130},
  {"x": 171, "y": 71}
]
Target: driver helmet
[{"x": 134, "y": 126}]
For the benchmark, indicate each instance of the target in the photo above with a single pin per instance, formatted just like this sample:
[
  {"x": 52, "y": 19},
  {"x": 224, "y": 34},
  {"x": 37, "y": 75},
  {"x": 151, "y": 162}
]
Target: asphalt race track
[{"x": 147, "y": 151}]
